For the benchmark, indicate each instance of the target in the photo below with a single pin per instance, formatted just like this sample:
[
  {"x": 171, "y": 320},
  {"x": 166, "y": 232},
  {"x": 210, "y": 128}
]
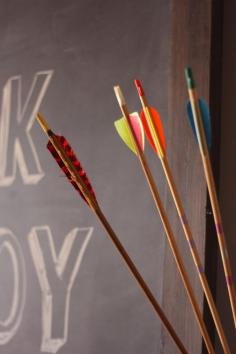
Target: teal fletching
[{"x": 206, "y": 120}]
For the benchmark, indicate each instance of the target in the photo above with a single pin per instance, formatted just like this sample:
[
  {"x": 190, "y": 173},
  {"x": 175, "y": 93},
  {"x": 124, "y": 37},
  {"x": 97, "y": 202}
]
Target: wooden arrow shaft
[
  {"x": 213, "y": 198},
  {"x": 170, "y": 237},
  {"x": 184, "y": 222},
  {"x": 220, "y": 234},
  {"x": 195, "y": 254},
  {"x": 95, "y": 207},
  {"x": 132, "y": 268}
]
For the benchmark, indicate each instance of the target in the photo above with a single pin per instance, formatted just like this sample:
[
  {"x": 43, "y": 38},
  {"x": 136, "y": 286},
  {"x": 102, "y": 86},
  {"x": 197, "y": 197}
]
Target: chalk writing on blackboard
[
  {"x": 10, "y": 325},
  {"x": 19, "y": 117},
  {"x": 61, "y": 283},
  {"x": 60, "y": 279},
  {"x": 56, "y": 272}
]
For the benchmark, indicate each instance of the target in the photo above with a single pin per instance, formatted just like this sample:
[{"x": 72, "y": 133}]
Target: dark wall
[
  {"x": 227, "y": 161},
  {"x": 63, "y": 58}
]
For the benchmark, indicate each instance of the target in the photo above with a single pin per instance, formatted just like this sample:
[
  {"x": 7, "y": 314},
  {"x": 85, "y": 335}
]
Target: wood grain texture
[{"x": 190, "y": 46}]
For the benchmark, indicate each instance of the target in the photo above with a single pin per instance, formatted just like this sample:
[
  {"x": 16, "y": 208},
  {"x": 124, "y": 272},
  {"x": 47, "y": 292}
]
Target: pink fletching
[{"x": 138, "y": 128}]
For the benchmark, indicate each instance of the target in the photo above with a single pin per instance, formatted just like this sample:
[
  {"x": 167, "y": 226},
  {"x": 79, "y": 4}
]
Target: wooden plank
[{"x": 190, "y": 46}]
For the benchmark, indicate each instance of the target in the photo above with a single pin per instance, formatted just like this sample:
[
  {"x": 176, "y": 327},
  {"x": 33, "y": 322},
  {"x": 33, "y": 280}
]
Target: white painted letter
[
  {"x": 16, "y": 120},
  {"x": 55, "y": 280},
  {"x": 9, "y": 326}
]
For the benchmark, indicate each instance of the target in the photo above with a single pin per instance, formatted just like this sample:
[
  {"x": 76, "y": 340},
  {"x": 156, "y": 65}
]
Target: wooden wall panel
[{"x": 190, "y": 46}]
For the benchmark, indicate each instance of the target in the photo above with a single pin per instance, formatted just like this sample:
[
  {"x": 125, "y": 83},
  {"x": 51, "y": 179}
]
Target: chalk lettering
[
  {"x": 56, "y": 280},
  {"x": 16, "y": 119},
  {"x": 10, "y": 325}
]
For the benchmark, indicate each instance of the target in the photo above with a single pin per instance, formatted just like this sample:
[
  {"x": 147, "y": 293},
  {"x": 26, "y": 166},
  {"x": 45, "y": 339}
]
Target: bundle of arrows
[
  {"x": 70, "y": 165},
  {"x": 132, "y": 128}
]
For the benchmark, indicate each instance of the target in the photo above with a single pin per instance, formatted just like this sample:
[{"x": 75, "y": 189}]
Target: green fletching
[
  {"x": 123, "y": 130},
  {"x": 189, "y": 78}
]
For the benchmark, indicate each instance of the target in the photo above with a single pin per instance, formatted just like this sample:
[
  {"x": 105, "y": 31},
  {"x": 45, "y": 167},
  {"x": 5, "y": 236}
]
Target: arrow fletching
[
  {"x": 206, "y": 120},
  {"x": 122, "y": 128},
  {"x": 156, "y": 119},
  {"x": 72, "y": 157}
]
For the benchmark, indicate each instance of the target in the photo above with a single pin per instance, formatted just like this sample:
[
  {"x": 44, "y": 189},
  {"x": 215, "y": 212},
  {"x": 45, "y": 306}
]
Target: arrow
[
  {"x": 156, "y": 133},
  {"x": 164, "y": 218},
  {"x": 202, "y": 142},
  {"x": 70, "y": 165}
]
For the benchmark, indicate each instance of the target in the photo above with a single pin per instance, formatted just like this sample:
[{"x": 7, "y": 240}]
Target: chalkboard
[{"x": 63, "y": 287}]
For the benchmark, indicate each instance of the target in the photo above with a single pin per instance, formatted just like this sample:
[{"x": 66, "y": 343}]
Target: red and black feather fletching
[{"x": 71, "y": 155}]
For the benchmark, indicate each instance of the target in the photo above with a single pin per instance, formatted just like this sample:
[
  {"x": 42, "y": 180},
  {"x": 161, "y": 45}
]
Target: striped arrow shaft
[
  {"x": 195, "y": 255},
  {"x": 220, "y": 234},
  {"x": 212, "y": 191},
  {"x": 167, "y": 228},
  {"x": 188, "y": 235}
]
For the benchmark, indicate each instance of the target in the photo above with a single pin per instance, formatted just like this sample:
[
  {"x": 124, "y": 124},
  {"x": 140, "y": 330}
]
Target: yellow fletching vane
[{"x": 123, "y": 130}]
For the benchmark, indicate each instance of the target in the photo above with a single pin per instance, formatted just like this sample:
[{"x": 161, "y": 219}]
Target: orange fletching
[{"x": 158, "y": 126}]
